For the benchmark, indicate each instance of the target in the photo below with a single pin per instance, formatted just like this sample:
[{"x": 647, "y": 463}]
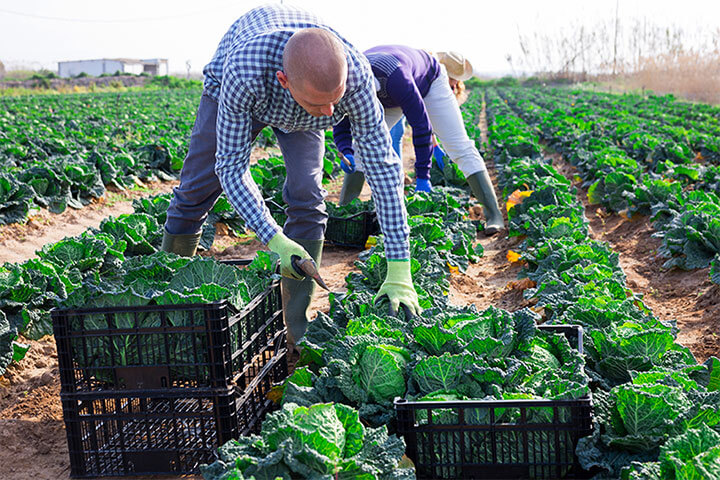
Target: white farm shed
[{"x": 95, "y": 68}]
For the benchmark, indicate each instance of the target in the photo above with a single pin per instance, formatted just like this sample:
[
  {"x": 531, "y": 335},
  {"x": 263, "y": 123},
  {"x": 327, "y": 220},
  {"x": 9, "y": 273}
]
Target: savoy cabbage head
[{"x": 322, "y": 441}]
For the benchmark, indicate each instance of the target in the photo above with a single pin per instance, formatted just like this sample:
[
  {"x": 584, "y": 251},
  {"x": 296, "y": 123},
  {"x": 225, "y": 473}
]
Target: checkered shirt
[{"x": 241, "y": 78}]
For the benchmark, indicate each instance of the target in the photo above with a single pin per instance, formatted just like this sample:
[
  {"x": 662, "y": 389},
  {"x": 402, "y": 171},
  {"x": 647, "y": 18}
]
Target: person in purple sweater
[{"x": 413, "y": 83}]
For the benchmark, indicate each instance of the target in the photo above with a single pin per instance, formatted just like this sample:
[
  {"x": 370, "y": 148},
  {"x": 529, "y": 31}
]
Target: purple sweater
[{"x": 405, "y": 75}]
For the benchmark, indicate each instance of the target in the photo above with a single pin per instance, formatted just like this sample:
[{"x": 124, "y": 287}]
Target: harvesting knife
[{"x": 307, "y": 268}]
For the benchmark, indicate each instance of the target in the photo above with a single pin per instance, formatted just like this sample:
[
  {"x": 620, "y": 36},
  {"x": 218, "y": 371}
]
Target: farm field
[{"x": 614, "y": 225}]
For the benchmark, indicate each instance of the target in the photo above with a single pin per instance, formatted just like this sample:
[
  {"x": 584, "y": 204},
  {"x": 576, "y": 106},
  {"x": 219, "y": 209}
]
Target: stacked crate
[{"x": 156, "y": 389}]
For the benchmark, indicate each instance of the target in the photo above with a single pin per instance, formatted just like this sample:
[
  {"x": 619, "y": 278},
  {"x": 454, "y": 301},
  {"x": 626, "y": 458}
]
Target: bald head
[{"x": 315, "y": 58}]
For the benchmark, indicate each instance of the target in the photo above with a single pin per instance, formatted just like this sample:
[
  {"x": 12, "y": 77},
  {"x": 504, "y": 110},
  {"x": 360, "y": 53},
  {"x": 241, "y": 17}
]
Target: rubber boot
[
  {"x": 351, "y": 188},
  {"x": 183, "y": 244},
  {"x": 297, "y": 295},
  {"x": 483, "y": 190}
]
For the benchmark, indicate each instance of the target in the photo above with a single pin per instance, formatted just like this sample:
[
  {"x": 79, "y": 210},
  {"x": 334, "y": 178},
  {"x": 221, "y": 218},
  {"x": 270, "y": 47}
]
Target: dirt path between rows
[
  {"x": 18, "y": 242},
  {"x": 687, "y": 297}
]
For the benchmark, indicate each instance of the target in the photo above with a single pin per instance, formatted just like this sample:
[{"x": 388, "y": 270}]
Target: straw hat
[{"x": 457, "y": 66}]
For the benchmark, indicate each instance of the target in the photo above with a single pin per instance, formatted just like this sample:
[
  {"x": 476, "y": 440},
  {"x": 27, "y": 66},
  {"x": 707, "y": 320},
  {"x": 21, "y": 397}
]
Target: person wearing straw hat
[{"x": 423, "y": 87}]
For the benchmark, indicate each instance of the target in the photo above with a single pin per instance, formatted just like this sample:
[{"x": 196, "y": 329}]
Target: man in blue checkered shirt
[{"x": 283, "y": 67}]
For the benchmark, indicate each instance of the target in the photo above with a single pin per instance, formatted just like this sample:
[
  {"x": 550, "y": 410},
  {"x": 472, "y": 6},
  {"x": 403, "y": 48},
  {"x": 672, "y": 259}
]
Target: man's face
[{"x": 316, "y": 103}]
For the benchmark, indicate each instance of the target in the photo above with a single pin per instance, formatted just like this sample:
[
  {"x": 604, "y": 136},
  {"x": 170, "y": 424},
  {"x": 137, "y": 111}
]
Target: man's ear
[{"x": 282, "y": 78}]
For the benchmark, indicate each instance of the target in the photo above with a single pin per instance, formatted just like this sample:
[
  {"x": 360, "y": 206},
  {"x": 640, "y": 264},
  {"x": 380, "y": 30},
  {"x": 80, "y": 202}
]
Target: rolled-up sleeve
[
  {"x": 234, "y": 144},
  {"x": 383, "y": 169}
]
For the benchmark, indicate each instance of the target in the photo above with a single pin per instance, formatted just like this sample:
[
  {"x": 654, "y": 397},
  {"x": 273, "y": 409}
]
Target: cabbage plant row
[
  {"x": 627, "y": 172},
  {"x": 118, "y": 263},
  {"x": 362, "y": 356},
  {"x": 60, "y": 151},
  {"x": 657, "y": 411}
]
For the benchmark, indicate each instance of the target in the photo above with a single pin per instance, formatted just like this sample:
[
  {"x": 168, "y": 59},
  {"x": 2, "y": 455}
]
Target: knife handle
[{"x": 294, "y": 261}]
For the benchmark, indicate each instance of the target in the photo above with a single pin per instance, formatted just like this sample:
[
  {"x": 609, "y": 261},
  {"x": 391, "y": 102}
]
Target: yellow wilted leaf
[
  {"x": 513, "y": 256},
  {"x": 405, "y": 462},
  {"x": 453, "y": 269},
  {"x": 371, "y": 241},
  {"x": 275, "y": 394},
  {"x": 517, "y": 197}
]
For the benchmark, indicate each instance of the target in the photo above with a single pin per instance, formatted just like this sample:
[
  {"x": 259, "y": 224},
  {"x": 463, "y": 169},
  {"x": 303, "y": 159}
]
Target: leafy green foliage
[
  {"x": 63, "y": 151},
  {"x": 648, "y": 391},
  {"x": 323, "y": 440},
  {"x": 10, "y": 350},
  {"x": 616, "y": 351},
  {"x": 374, "y": 359},
  {"x": 715, "y": 270},
  {"x": 139, "y": 231},
  {"x": 15, "y": 200}
]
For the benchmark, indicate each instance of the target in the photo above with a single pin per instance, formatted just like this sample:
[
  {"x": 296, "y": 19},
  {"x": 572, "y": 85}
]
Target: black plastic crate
[
  {"x": 352, "y": 231},
  {"x": 165, "y": 432},
  {"x": 254, "y": 387},
  {"x": 497, "y": 439},
  {"x": 191, "y": 346}
]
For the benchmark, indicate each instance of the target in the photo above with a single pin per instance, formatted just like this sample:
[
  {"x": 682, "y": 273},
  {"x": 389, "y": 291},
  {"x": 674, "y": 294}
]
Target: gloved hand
[
  {"x": 398, "y": 286},
  {"x": 423, "y": 185},
  {"x": 439, "y": 155},
  {"x": 348, "y": 168},
  {"x": 286, "y": 248}
]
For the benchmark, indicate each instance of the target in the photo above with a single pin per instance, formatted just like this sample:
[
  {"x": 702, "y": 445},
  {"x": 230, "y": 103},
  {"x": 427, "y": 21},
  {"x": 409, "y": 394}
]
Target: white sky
[{"x": 38, "y": 33}]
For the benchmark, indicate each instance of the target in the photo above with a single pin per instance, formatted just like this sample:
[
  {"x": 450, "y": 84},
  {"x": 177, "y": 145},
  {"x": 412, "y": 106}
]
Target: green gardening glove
[
  {"x": 287, "y": 248},
  {"x": 398, "y": 286}
]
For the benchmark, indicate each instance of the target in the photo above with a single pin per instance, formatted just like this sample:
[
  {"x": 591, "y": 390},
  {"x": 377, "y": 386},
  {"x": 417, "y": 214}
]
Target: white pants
[{"x": 447, "y": 124}]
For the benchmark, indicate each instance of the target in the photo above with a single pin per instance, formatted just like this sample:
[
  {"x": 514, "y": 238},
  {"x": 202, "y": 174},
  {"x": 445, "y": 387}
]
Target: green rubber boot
[
  {"x": 483, "y": 190},
  {"x": 351, "y": 188},
  {"x": 297, "y": 295},
  {"x": 184, "y": 244}
]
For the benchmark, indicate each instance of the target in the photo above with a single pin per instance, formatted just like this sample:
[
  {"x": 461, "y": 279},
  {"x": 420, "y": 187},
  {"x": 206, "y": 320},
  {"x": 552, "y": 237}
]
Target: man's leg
[
  {"x": 199, "y": 186},
  {"x": 305, "y": 196}
]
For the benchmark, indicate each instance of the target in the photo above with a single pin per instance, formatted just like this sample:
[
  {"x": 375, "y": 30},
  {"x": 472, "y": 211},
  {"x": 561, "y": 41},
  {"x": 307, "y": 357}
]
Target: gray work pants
[{"x": 199, "y": 186}]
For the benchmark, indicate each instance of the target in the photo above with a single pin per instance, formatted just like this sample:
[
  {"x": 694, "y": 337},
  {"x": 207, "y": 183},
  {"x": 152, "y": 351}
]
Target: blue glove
[
  {"x": 348, "y": 168},
  {"x": 423, "y": 185},
  {"x": 439, "y": 155}
]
